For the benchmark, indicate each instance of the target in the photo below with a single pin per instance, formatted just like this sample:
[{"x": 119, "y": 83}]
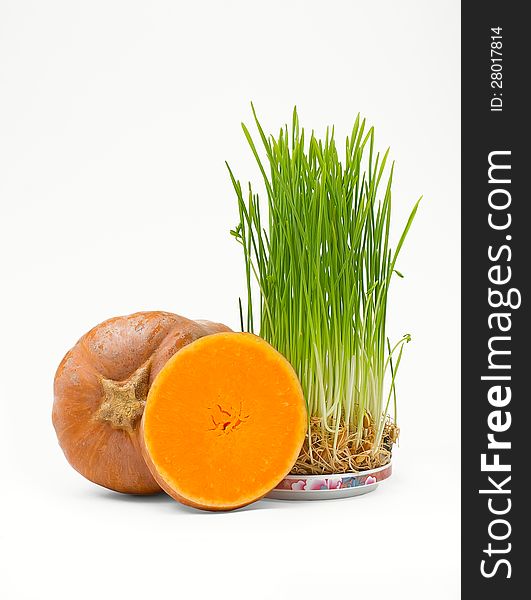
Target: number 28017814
[{"x": 496, "y": 69}]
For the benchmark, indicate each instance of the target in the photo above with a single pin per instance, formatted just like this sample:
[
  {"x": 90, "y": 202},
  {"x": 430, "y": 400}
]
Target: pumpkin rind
[{"x": 100, "y": 389}]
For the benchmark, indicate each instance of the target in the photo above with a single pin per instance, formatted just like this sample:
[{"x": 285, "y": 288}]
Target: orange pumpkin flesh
[
  {"x": 100, "y": 391},
  {"x": 224, "y": 422}
]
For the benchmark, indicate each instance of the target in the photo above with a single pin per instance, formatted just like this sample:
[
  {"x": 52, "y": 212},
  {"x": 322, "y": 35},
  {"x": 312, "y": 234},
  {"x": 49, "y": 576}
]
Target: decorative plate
[{"x": 322, "y": 487}]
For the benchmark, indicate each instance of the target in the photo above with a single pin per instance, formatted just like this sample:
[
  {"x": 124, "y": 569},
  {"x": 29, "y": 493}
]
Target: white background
[{"x": 115, "y": 121}]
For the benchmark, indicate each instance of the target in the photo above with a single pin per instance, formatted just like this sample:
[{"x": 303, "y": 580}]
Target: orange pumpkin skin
[{"x": 100, "y": 390}]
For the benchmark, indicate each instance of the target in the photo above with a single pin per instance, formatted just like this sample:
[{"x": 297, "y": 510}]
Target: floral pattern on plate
[{"x": 308, "y": 483}]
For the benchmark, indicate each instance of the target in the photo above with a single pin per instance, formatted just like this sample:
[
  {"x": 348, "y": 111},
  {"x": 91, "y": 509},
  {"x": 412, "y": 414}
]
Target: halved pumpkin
[{"x": 224, "y": 421}]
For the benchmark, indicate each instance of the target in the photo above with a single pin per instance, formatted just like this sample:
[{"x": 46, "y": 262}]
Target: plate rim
[{"x": 346, "y": 474}]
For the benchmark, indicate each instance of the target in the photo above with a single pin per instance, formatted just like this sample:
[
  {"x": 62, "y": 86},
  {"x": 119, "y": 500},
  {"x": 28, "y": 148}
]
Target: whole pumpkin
[{"x": 100, "y": 391}]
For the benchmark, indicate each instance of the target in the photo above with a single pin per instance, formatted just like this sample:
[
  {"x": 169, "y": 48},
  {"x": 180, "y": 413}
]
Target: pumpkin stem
[{"x": 124, "y": 401}]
